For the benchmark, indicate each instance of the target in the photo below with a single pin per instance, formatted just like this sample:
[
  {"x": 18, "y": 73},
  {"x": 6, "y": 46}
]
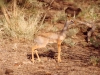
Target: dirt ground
[
  {"x": 81, "y": 59},
  {"x": 15, "y": 59}
]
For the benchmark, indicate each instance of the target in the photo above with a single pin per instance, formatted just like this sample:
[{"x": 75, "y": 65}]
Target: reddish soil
[{"x": 15, "y": 59}]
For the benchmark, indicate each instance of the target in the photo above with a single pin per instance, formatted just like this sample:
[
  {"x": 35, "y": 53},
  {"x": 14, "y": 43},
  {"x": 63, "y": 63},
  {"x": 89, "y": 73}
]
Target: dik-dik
[{"x": 42, "y": 40}]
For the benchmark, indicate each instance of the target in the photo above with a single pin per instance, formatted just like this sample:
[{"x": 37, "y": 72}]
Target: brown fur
[
  {"x": 70, "y": 11},
  {"x": 43, "y": 39}
]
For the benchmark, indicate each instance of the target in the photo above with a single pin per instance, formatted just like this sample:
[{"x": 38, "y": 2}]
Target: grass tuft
[{"x": 21, "y": 27}]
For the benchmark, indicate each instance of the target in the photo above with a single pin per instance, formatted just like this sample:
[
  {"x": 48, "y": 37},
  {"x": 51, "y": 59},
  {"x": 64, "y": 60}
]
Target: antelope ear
[
  {"x": 70, "y": 11},
  {"x": 79, "y": 10}
]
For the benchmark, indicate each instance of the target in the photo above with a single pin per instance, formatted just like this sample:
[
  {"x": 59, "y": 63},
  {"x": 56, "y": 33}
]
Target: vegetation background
[{"x": 22, "y": 20}]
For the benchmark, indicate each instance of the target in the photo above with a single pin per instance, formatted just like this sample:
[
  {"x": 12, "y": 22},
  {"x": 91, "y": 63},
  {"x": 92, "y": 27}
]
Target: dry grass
[
  {"x": 70, "y": 34},
  {"x": 90, "y": 10},
  {"x": 94, "y": 60},
  {"x": 59, "y": 16},
  {"x": 28, "y": 22},
  {"x": 21, "y": 28},
  {"x": 21, "y": 23}
]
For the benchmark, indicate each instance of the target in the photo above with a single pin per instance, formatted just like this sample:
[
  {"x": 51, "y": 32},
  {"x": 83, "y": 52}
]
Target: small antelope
[{"x": 42, "y": 40}]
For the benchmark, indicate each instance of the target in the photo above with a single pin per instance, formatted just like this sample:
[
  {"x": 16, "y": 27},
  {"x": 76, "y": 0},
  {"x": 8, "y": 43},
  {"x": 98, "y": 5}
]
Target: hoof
[
  {"x": 59, "y": 60},
  {"x": 39, "y": 60},
  {"x": 32, "y": 60}
]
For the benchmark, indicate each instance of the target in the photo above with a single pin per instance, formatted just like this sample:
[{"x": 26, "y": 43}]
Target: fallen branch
[{"x": 85, "y": 23}]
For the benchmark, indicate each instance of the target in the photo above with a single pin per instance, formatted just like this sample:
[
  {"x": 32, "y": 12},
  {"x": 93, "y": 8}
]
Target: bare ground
[{"x": 15, "y": 59}]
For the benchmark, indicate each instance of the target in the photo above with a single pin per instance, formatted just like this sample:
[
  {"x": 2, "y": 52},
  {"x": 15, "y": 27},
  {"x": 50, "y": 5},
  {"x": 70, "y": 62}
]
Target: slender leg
[
  {"x": 59, "y": 50},
  {"x": 33, "y": 54},
  {"x": 37, "y": 55},
  {"x": 89, "y": 35}
]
